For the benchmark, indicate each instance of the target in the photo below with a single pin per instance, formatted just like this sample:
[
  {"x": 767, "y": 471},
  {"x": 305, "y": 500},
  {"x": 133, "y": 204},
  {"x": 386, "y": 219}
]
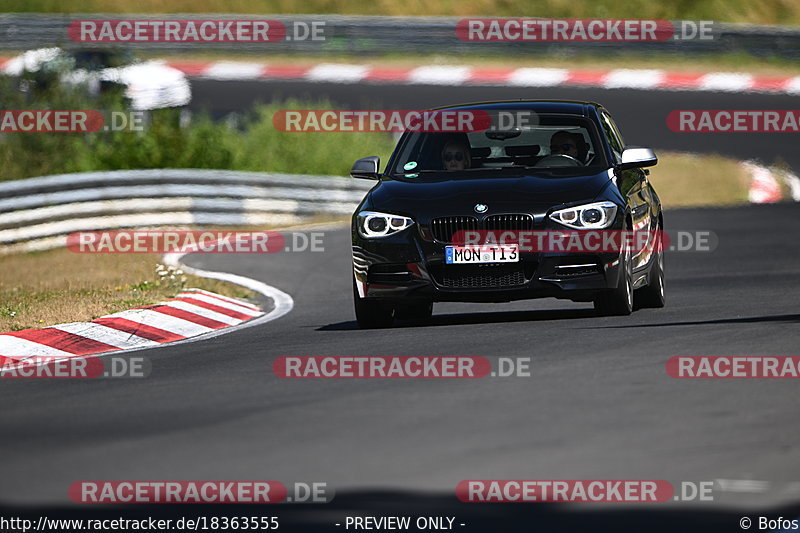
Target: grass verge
[
  {"x": 762, "y": 12},
  {"x": 691, "y": 180},
  {"x": 45, "y": 288}
]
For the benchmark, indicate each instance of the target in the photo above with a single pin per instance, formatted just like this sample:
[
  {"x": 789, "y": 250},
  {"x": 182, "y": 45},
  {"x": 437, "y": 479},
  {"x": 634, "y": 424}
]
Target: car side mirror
[
  {"x": 637, "y": 157},
  {"x": 366, "y": 168}
]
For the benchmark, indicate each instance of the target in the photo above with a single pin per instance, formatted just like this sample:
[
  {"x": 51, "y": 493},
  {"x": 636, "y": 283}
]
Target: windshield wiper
[
  {"x": 475, "y": 169},
  {"x": 518, "y": 168}
]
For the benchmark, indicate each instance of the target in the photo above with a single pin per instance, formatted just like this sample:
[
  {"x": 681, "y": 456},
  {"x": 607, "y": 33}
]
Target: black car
[{"x": 555, "y": 168}]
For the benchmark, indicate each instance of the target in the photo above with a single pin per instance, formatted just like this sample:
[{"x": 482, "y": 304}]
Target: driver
[
  {"x": 456, "y": 155},
  {"x": 565, "y": 143}
]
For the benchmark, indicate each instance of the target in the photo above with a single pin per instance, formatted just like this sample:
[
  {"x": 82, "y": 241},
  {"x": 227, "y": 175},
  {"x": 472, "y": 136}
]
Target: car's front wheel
[
  {"x": 371, "y": 314},
  {"x": 618, "y": 301},
  {"x": 653, "y": 295}
]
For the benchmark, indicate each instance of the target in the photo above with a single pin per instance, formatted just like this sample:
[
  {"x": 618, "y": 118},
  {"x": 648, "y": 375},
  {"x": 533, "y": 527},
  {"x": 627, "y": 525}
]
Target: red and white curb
[
  {"x": 765, "y": 185},
  {"x": 191, "y": 313},
  {"x": 282, "y": 303},
  {"x": 519, "y": 77},
  {"x": 453, "y": 75}
]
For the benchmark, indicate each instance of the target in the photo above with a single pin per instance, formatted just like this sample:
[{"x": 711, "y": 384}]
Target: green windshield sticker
[{"x": 411, "y": 165}]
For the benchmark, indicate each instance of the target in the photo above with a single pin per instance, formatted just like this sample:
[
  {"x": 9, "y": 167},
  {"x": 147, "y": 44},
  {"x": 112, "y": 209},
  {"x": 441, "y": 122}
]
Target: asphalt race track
[
  {"x": 640, "y": 115},
  {"x": 598, "y": 405}
]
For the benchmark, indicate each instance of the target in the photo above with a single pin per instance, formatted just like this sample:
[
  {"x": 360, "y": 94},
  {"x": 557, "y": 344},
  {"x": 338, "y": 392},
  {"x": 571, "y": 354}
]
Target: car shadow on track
[
  {"x": 459, "y": 319},
  {"x": 738, "y": 320}
]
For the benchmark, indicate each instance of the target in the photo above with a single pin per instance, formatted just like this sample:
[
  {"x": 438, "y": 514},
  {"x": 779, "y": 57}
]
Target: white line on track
[
  {"x": 282, "y": 302},
  {"x": 225, "y": 304},
  {"x": 112, "y": 337}
]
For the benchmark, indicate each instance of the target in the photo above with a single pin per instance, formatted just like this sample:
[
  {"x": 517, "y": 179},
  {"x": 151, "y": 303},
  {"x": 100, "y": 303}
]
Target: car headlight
[
  {"x": 589, "y": 216},
  {"x": 373, "y": 224}
]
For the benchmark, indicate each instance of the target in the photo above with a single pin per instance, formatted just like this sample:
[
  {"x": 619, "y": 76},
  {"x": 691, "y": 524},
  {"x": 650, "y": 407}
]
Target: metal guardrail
[
  {"x": 38, "y": 213},
  {"x": 373, "y": 35}
]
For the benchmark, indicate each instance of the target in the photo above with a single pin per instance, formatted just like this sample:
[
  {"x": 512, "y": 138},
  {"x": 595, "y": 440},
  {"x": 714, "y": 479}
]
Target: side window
[
  {"x": 616, "y": 131},
  {"x": 612, "y": 134}
]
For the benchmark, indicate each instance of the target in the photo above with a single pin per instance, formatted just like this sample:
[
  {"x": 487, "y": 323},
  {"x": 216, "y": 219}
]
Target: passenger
[
  {"x": 564, "y": 143},
  {"x": 456, "y": 156}
]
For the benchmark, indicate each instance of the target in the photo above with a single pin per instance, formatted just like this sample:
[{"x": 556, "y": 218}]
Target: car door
[{"x": 632, "y": 184}]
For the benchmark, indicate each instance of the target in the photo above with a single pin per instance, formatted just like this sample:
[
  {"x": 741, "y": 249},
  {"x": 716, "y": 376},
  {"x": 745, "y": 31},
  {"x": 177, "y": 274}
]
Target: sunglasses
[
  {"x": 564, "y": 147},
  {"x": 458, "y": 156}
]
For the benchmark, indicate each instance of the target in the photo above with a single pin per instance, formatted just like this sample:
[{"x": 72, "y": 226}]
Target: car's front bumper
[{"x": 405, "y": 266}]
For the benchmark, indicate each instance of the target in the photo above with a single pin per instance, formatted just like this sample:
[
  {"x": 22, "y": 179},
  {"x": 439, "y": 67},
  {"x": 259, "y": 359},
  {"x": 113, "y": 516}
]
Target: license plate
[{"x": 456, "y": 255}]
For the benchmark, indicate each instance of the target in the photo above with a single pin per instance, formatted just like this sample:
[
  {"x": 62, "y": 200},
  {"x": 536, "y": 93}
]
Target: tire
[
  {"x": 418, "y": 311},
  {"x": 618, "y": 301},
  {"x": 652, "y": 295},
  {"x": 371, "y": 314}
]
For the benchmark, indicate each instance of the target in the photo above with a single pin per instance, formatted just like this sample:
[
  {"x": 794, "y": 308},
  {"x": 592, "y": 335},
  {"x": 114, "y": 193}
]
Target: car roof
[{"x": 570, "y": 107}]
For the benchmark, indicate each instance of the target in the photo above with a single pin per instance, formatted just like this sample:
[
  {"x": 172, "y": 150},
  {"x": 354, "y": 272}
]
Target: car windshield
[
  {"x": 100, "y": 59},
  {"x": 510, "y": 140}
]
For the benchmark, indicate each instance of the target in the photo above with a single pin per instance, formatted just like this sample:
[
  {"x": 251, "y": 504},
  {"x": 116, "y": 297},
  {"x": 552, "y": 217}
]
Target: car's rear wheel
[
  {"x": 371, "y": 314},
  {"x": 415, "y": 310},
  {"x": 653, "y": 295},
  {"x": 618, "y": 301}
]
